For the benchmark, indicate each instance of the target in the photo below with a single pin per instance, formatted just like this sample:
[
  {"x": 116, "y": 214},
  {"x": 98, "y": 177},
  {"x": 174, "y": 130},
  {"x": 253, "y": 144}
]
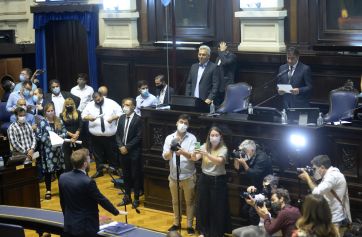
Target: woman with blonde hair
[
  {"x": 212, "y": 206},
  {"x": 73, "y": 123},
  {"x": 52, "y": 157},
  {"x": 316, "y": 220}
]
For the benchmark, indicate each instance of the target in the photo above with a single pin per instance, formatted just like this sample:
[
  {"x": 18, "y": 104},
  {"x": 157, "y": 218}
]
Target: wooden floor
[{"x": 149, "y": 218}]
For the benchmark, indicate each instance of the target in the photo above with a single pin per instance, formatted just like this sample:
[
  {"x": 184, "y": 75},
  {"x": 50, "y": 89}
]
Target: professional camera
[
  {"x": 259, "y": 198},
  {"x": 175, "y": 146},
  {"x": 308, "y": 169},
  {"x": 236, "y": 154}
]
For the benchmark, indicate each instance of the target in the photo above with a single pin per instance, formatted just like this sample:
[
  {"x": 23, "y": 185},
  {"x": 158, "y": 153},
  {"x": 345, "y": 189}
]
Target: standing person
[
  {"x": 181, "y": 143},
  {"x": 204, "y": 78},
  {"x": 83, "y": 91},
  {"x": 24, "y": 93},
  {"x": 38, "y": 101},
  {"x": 212, "y": 204},
  {"x": 79, "y": 199},
  {"x": 58, "y": 97},
  {"x": 333, "y": 186},
  {"x": 129, "y": 138},
  {"x": 163, "y": 91},
  {"x": 102, "y": 114},
  {"x": 72, "y": 121},
  {"x": 226, "y": 62},
  {"x": 316, "y": 219},
  {"x": 103, "y": 90},
  {"x": 299, "y": 76},
  {"x": 29, "y": 117},
  {"x": 53, "y": 159},
  {"x": 145, "y": 98},
  {"x": 25, "y": 75}
]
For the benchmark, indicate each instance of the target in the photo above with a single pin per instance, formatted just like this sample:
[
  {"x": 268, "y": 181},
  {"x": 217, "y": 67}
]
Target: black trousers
[
  {"x": 105, "y": 151},
  {"x": 68, "y": 150},
  {"x": 132, "y": 173},
  {"x": 212, "y": 213}
]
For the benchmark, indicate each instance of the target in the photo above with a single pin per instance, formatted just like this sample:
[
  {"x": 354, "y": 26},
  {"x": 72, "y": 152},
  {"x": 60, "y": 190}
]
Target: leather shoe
[
  {"x": 97, "y": 174},
  {"x": 125, "y": 201},
  {"x": 136, "y": 203}
]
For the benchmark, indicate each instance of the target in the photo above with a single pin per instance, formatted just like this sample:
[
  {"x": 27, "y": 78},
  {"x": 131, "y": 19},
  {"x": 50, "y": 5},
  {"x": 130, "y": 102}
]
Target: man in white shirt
[
  {"x": 145, "y": 98},
  {"x": 102, "y": 114},
  {"x": 83, "y": 91},
  {"x": 333, "y": 186}
]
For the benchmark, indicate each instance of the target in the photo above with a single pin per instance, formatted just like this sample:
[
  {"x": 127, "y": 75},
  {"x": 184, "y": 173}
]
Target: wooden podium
[{"x": 19, "y": 187}]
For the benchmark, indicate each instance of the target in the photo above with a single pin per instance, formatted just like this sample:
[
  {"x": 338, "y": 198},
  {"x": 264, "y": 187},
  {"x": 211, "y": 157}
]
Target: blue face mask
[
  {"x": 145, "y": 93},
  {"x": 26, "y": 93},
  {"x": 56, "y": 90},
  {"x": 22, "y": 77},
  {"x": 35, "y": 98}
]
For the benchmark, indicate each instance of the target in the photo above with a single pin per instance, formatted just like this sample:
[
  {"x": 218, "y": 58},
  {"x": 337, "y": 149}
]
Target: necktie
[
  {"x": 103, "y": 128},
  {"x": 290, "y": 73},
  {"x": 125, "y": 132}
]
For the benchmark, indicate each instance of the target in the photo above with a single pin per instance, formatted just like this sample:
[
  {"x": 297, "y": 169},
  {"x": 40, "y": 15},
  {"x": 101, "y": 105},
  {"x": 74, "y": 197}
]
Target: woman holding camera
[{"x": 212, "y": 206}]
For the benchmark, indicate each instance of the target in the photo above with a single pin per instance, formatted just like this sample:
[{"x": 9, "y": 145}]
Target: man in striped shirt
[{"x": 21, "y": 135}]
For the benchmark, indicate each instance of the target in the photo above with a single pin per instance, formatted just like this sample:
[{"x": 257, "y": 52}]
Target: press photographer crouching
[{"x": 334, "y": 188}]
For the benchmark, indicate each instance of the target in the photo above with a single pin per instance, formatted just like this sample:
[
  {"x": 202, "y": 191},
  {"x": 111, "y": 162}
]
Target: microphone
[{"x": 283, "y": 72}]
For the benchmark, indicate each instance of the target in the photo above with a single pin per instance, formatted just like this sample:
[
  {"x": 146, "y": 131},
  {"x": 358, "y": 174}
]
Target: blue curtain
[{"x": 90, "y": 22}]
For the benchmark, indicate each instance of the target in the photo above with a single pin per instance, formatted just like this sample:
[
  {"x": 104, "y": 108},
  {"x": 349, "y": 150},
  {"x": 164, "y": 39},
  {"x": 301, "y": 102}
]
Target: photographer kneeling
[
  {"x": 256, "y": 164},
  {"x": 334, "y": 188}
]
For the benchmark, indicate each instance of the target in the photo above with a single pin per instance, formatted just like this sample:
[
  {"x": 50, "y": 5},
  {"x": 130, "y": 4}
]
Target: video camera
[
  {"x": 259, "y": 198},
  {"x": 308, "y": 169}
]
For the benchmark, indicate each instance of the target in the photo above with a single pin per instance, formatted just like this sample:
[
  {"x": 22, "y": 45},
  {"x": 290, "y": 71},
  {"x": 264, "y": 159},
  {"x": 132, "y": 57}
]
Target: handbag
[{"x": 346, "y": 222}]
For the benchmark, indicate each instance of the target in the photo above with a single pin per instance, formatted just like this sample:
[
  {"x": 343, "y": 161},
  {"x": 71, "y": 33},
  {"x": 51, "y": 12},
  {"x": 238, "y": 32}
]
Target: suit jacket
[
  {"x": 169, "y": 92},
  {"x": 65, "y": 94},
  {"x": 79, "y": 199},
  {"x": 134, "y": 137},
  {"x": 302, "y": 79},
  {"x": 209, "y": 83},
  {"x": 226, "y": 61}
]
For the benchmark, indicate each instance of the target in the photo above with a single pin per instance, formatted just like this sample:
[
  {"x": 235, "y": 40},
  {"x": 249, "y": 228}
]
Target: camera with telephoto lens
[
  {"x": 236, "y": 154},
  {"x": 259, "y": 198},
  {"x": 308, "y": 169}
]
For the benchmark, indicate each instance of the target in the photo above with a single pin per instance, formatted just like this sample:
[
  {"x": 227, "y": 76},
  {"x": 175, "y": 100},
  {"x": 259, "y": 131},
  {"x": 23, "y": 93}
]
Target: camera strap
[{"x": 340, "y": 201}]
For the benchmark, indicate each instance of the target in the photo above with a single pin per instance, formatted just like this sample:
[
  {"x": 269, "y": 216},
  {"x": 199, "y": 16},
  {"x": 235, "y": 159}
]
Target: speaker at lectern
[{"x": 189, "y": 103}]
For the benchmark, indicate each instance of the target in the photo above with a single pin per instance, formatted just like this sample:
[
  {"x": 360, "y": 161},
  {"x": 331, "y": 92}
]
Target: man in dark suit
[
  {"x": 203, "y": 79},
  {"x": 129, "y": 138},
  {"x": 57, "y": 96},
  {"x": 298, "y": 75},
  {"x": 226, "y": 62},
  {"x": 79, "y": 198},
  {"x": 163, "y": 91}
]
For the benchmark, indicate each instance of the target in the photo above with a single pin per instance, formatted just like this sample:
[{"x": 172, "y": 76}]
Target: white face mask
[
  {"x": 181, "y": 128},
  {"x": 215, "y": 140},
  {"x": 317, "y": 175},
  {"x": 126, "y": 109},
  {"x": 21, "y": 119}
]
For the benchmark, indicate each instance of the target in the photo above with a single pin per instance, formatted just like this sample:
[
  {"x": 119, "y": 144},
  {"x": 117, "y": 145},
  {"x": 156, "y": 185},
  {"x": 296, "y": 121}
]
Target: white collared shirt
[
  {"x": 110, "y": 108},
  {"x": 294, "y": 67},
  {"x": 144, "y": 102},
  {"x": 162, "y": 94},
  {"x": 84, "y": 94},
  {"x": 125, "y": 130},
  {"x": 187, "y": 167},
  {"x": 334, "y": 179},
  {"x": 58, "y": 103},
  {"x": 199, "y": 75}
]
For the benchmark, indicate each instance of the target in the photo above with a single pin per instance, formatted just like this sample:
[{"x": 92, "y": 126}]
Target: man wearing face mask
[
  {"x": 333, "y": 187},
  {"x": 38, "y": 101},
  {"x": 83, "y": 91},
  {"x": 58, "y": 97},
  {"x": 129, "y": 138},
  {"x": 25, "y": 75},
  {"x": 24, "y": 93},
  {"x": 285, "y": 220},
  {"x": 186, "y": 145},
  {"x": 102, "y": 114},
  {"x": 145, "y": 98},
  {"x": 163, "y": 91},
  {"x": 21, "y": 134},
  {"x": 29, "y": 118}
]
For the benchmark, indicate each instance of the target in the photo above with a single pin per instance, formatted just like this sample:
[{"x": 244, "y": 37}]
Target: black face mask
[
  {"x": 100, "y": 103},
  {"x": 160, "y": 87},
  {"x": 69, "y": 108}
]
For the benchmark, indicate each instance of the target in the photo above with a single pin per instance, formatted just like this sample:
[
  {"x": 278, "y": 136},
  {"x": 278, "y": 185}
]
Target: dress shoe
[
  {"x": 125, "y": 201},
  {"x": 136, "y": 203},
  {"x": 174, "y": 228},
  {"x": 190, "y": 231},
  {"x": 97, "y": 174}
]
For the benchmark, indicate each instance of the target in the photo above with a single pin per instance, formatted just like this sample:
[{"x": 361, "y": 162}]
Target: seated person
[
  {"x": 145, "y": 98},
  {"x": 28, "y": 117}
]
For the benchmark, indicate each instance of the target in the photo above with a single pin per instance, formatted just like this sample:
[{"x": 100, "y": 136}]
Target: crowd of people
[{"x": 115, "y": 133}]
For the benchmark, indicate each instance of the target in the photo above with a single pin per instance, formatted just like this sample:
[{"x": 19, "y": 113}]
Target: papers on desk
[
  {"x": 115, "y": 228},
  {"x": 285, "y": 87}
]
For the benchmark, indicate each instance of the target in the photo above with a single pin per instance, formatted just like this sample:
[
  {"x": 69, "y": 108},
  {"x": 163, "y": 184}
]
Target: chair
[
  {"x": 341, "y": 105},
  {"x": 8, "y": 230},
  {"x": 4, "y": 118},
  {"x": 236, "y": 98}
]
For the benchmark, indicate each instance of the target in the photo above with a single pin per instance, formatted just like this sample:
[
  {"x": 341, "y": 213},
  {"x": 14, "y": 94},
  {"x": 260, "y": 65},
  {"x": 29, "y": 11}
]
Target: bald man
[
  {"x": 29, "y": 118},
  {"x": 103, "y": 90}
]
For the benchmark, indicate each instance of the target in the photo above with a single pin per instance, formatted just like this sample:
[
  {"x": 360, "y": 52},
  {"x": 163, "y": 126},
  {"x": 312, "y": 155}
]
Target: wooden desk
[
  {"x": 342, "y": 144},
  {"x": 19, "y": 187}
]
